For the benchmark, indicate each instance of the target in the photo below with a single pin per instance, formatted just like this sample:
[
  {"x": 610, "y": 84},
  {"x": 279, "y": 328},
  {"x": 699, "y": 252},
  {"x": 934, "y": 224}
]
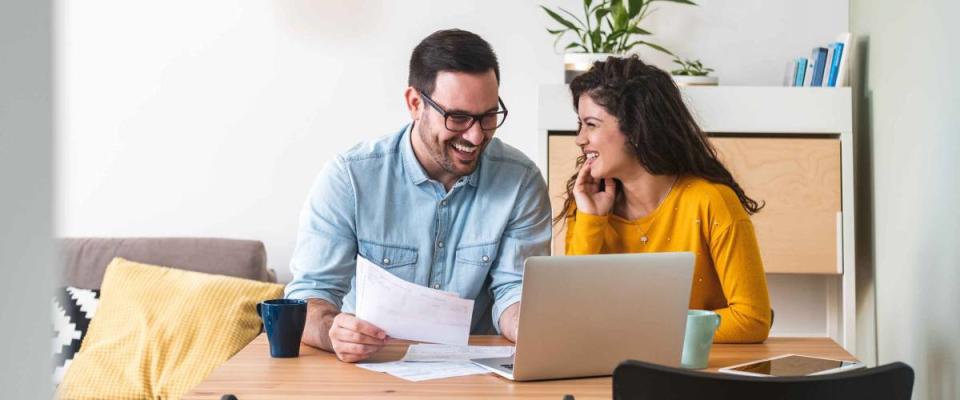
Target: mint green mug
[{"x": 701, "y": 324}]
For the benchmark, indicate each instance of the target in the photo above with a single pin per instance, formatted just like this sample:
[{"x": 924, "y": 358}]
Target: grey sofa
[{"x": 85, "y": 259}]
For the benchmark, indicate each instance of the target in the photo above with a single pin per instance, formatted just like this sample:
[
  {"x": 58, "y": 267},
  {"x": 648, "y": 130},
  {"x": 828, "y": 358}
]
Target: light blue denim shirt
[{"x": 376, "y": 201}]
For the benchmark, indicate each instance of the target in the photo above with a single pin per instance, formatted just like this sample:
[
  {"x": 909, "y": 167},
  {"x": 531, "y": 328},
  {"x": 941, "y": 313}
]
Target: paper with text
[
  {"x": 445, "y": 352},
  {"x": 409, "y": 311},
  {"x": 421, "y": 371}
]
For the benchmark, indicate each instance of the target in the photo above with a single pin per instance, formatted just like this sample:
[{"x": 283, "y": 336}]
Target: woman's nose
[{"x": 580, "y": 140}]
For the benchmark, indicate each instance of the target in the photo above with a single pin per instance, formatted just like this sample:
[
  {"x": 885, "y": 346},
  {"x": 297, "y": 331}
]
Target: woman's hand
[{"x": 587, "y": 194}]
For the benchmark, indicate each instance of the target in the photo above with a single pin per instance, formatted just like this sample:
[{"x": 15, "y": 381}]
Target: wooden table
[{"x": 253, "y": 374}]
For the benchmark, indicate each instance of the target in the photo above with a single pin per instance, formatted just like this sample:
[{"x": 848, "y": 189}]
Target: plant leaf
[
  {"x": 575, "y": 18},
  {"x": 596, "y": 42},
  {"x": 601, "y": 13},
  {"x": 561, "y": 20},
  {"x": 575, "y": 44},
  {"x": 620, "y": 17},
  {"x": 688, "y": 2},
  {"x": 648, "y": 44},
  {"x": 639, "y": 31},
  {"x": 635, "y": 7}
]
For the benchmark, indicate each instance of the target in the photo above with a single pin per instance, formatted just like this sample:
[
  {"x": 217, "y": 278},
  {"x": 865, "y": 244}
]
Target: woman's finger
[{"x": 583, "y": 177}]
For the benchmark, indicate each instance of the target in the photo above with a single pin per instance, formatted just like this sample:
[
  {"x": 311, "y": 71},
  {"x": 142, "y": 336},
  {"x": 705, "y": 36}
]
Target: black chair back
[{"x": 637, "y": 380}]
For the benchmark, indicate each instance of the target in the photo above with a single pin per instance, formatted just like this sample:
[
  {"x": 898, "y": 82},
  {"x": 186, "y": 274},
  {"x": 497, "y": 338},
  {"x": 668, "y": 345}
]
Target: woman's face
[{"x": 602, "y": 142}]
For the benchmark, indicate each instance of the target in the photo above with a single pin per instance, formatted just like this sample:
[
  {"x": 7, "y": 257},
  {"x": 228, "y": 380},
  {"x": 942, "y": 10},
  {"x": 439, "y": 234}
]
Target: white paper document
[
  {"x": 456, "y": 353},
  {"x": 421, "y": 371},
  {"x": 409, "y": 311}
]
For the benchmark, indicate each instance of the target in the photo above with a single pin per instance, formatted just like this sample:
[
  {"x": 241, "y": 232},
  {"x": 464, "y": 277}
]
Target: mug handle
[
  {"x": 258, "y": 310},
  {"x": 717, "y": 324}
]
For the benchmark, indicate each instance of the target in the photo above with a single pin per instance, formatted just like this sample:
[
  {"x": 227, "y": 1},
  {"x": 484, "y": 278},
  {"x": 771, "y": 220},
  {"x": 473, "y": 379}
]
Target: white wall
[
  {"x": 26, "y": 251},
  {"x": 908, "y": 104},
  {"x": 211, "y": 118}
]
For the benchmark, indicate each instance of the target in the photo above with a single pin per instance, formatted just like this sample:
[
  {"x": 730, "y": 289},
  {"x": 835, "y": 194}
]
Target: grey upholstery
[{"x": 86, "y": 259}]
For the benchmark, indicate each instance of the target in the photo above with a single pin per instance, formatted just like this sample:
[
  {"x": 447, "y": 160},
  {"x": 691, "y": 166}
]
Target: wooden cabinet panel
[
  {"x": 798, "y": 178},
  {"x": 562, "y": 153}
]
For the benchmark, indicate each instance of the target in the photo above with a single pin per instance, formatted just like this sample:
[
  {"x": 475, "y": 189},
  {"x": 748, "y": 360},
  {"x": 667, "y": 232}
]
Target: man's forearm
[
  {"x": 509, "y": 320},
  {"x": 320, "y": 316}
]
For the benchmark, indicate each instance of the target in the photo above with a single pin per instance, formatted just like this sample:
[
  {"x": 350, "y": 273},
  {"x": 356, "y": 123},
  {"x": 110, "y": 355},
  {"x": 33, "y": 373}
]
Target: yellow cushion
[{"x": 160, "y": 331}]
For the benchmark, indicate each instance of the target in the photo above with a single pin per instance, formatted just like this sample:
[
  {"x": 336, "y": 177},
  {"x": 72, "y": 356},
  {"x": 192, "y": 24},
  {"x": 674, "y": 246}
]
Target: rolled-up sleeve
[
  {"x": 324, "y": 260},
  {"x": 527, "y": 234}
]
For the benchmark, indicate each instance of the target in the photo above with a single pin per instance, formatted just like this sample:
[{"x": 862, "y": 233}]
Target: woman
[{"x": 649, "y": 181}]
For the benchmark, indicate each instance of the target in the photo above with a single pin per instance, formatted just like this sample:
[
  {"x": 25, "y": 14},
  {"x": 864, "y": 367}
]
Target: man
[{"x": 442, "y": 203}]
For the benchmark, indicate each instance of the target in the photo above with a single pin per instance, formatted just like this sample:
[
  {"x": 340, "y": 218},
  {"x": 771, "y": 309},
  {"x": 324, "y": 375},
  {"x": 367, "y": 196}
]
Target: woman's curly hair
[{"x": 659, "y": 128}]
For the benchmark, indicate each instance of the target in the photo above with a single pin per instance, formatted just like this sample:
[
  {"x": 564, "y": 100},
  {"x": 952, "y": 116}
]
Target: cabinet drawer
[{"x": 799, "y": 179}]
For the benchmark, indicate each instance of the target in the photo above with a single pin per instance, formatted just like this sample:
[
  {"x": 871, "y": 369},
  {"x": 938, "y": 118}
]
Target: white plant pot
[
  {"x": 577, "y": 63},
  {"x": 686, "y": 80}
]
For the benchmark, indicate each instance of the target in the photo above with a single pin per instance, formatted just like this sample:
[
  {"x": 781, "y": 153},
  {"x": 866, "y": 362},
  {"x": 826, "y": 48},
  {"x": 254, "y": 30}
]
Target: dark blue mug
[{"x": 283, "y": 320}]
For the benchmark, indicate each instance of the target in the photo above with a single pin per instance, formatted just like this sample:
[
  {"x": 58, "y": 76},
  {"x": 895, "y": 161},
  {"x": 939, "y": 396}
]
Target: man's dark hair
[{"x": 450, "y": 50}]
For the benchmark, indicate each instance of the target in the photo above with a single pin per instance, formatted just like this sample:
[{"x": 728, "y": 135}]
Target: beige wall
[{"x": 908, "y": 105}]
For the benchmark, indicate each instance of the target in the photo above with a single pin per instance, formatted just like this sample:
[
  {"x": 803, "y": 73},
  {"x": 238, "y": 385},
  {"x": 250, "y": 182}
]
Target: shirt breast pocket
[
  {"x": 480, "y": 255},
  {"x": 401, "y": 261}
]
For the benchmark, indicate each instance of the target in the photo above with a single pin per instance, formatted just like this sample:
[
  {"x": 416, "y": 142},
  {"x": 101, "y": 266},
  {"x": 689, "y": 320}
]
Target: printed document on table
[
  {"x": 421, "y": 371},
  {"x": 409, "y": 311},
  {"x": 444, "y": 352}
]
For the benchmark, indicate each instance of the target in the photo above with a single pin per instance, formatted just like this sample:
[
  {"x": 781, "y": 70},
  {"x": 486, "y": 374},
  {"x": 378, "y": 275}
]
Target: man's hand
[
  {"x": 351, "y": 338},
  {"x": 510, "y": 322},
  {"x": 354, "y": 339}
]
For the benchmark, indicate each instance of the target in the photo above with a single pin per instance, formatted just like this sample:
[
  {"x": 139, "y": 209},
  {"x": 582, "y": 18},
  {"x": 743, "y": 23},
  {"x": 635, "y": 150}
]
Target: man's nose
[{"x": 475, "y": 135}]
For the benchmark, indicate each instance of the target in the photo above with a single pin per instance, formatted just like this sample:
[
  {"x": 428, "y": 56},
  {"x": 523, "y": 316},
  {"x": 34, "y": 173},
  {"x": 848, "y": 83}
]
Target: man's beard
[{"x": 440, "y": 152}]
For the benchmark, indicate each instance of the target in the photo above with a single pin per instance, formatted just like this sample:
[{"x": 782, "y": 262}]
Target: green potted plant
[
  {"x": 693, "y": 73},
  {"x": 606, "y": 28}
]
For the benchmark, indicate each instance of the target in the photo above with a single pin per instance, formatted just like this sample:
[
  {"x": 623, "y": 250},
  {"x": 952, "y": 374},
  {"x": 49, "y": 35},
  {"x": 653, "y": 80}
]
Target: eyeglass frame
[{"x": 474, "y": 118}]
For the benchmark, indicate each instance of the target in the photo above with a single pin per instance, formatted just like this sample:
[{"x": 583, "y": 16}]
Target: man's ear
[{"x": 414, "y": 103}]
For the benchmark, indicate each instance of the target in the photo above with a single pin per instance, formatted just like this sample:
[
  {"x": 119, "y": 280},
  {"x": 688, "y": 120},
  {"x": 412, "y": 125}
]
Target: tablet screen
[{"x": 791, "y": 366}]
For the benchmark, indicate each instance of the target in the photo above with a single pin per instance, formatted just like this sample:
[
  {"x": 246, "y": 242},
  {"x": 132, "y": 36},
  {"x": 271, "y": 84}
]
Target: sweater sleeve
[
  {"x": 736, "y": 257},
  {"x": 585, "y": 234}
]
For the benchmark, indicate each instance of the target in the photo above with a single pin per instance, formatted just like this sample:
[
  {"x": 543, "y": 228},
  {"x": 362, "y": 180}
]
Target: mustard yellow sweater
[{"x": 706, "y": 219}]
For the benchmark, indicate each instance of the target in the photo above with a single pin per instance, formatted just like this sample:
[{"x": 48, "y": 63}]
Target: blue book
[
  {"x": 819, "y": 59},
  {"x": 801, "y": 71},
  {"x": 835, "y": 63}
]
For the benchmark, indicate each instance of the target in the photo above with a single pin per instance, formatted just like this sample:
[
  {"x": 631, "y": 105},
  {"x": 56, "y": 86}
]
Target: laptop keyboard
[{"x": 507, "y": 366}]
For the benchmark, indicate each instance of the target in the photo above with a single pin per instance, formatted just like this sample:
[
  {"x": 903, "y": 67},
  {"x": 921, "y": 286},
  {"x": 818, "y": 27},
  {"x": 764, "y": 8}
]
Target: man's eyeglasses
[{"x": 461, "y": 122}]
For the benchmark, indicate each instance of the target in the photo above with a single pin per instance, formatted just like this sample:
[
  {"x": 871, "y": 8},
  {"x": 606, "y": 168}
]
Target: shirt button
[
  {"x": 485, "y": 258},
  {"x": 437, "y": 286},
  {"x": 440, "y": 244},
  {"x": 386, "y": 261},
  {"x": 443, "y": 203}
]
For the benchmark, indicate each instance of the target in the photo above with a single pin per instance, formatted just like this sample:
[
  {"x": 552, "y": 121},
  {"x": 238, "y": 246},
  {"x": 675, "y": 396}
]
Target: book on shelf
[
  {"x": 843, "y": 67},
  {"x": 819, "y": 59},
  {"x": 828, "y": 69},
  {"x": 801, "y": 71},
  {"x": 835, "y": 63},
  {"x": 828, "y": 66},
  {"x": 790, "y": 76}
]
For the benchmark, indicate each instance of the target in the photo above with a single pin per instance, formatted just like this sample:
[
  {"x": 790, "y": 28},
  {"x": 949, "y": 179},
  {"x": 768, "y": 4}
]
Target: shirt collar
[{"x": 415, "y": 171}]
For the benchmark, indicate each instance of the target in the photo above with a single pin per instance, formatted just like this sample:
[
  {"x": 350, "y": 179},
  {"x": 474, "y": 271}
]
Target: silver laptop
[{"x": 582, "y": 315}]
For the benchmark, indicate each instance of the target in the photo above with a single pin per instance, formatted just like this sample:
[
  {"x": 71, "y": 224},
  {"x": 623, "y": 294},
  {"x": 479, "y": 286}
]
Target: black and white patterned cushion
[{"x": 73, "y": 309}]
